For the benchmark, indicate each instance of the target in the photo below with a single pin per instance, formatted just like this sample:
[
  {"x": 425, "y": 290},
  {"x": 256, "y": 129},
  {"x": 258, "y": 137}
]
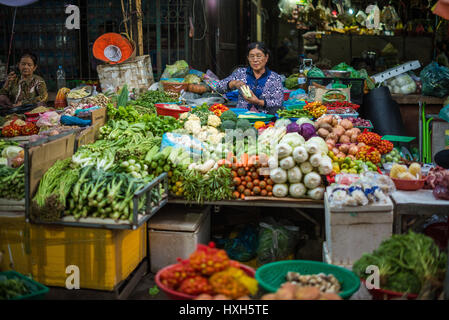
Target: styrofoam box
[
  {"x": 357, "y": 231},
  {"x": 175, "y": 232}
]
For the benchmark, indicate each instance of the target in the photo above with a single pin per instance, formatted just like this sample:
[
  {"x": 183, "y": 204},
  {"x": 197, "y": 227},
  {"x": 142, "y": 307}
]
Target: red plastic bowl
[
  {"x": 162, "y": 110},
  {"x": 382, "y": 294},
  {"x": 409, "y": 185},
  {"x": 176, "y": 295}
]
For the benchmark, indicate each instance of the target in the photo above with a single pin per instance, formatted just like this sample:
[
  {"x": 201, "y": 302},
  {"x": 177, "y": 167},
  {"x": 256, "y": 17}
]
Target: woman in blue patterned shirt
[{"x": 266, "y": 85}]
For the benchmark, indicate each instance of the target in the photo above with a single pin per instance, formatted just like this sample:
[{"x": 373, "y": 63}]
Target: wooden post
[{"x": 139, "y": 26}]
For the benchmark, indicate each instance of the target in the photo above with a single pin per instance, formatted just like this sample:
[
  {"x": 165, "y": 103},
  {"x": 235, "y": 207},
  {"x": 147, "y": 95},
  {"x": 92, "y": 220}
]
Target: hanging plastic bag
[
  {"x": 177, "y": 70},
  {"x": 435, "y": 80},
  {"x": 444, "y": 113}
]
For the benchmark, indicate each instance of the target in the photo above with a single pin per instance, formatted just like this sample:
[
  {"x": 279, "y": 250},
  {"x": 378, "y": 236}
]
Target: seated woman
[
  {"x": 267, "y": 93},
  {"x": 25, "y": 88}
]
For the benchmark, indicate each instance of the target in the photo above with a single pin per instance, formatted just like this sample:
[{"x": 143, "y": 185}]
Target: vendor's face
[
  {"x": 257, "y": 59},
  {"x": 27, "y": 66}
]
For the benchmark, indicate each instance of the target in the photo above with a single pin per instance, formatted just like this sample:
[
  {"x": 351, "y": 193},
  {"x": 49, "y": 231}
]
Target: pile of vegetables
[
  {"x": 209, "y": 271},
  {"x": 316, "y": 109},
  {"x": 399, "y": 171},
  {"x": 12, "y": 288},
  {"x": 295, "y": 113},
  {"x": 296, "y": 167},
  {"x": 291, "y": 291},
  {"x": 218, "y": 109},
  {"x": 149, "y": 98},
  {"x": 12, "y": 172},
  {"x": 359, "y": 122},
  {"x": 408, "y": 263},
  {"x": 249, "y": 178},
  {"x": 17, "y": 127},
  {"x": 394, "y": 156}
]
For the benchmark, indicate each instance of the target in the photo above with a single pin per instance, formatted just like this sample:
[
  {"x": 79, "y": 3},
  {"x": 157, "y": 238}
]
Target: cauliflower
[
  {"x": 193, "y": 126},
  {"x": 202, "y": 136},
  {"x": 212, "y": 130},
  {"x": 183, "y": 116},
  {"x": 213, "y": 121},
  {"x": 216, "y": 138},
  {"x": 194, "y": 117}
]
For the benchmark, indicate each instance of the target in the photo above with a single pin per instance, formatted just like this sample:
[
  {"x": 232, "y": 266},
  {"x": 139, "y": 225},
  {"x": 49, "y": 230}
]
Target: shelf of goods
[
  {"x": 262, "y": 202},
  {"x": 41, "y": 156},
  {"x": 352, "y": 231}
]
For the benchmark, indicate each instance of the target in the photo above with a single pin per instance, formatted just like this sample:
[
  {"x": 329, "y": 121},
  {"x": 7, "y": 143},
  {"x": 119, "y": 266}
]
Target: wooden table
[{"x": 419, "y": 203}]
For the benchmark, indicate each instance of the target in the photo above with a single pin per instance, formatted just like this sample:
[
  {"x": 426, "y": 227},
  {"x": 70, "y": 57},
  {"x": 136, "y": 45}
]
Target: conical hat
[
  {"x": 112, "y": 48},
  {"x": 442, "y": 9}
]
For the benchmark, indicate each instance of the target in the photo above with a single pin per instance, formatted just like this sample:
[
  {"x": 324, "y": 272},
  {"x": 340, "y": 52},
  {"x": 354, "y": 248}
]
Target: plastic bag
[
  {"x": 276, "y": 241},
  {"x": 48, "y": 119},
  {"x": 435, "y": 80},
  {"x": 403, "y": 84},
  {"x": 315, "y": 73},
  {"x": 298, "y": 94},
  {"x": 345, "y": 67},
  {"x": 242, "y": 247},
  {"x": 177, "y": 70},
  {"x": 444, "y": 113},
  {"x": 187, "y": 142}
]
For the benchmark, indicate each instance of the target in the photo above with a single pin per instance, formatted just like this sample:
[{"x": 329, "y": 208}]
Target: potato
[
  {"x": 269, "y": 296},
  {"x": 308, "y": 293},
  {"x": 221, "y": 297},
  {"x": 286, "y": 292},
  {"x": 330, "y": 296},
  {"x": 204, "y": 296}
]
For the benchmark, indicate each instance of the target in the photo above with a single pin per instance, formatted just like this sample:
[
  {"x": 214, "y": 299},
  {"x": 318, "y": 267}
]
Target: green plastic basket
[
  {"x": 272, "y": 275},
  {"x": 37, "y": 290}
]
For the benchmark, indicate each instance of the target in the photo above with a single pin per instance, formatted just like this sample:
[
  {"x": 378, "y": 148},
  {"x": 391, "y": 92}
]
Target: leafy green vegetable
[
  {"x": 123, "y": 96},
  {"x": 202, "y": 112},
  {"x": 12, "y": 182},
  {"x": 148, "y": 99},
  {"x": 12, "y": 288},
  {"x": 406, "y": 262}
]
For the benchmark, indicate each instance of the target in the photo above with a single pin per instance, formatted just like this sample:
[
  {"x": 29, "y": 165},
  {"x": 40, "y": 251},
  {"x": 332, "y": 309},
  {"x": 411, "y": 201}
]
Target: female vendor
[
  {"x": 266, "y": 85},
  {"x": 25, "y": 88}
]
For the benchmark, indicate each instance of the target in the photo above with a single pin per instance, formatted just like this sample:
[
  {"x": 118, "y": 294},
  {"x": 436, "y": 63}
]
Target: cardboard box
[
  {"x": 42, "y": 157},
  {"x": 98, "y": 117},
  {"x": 88, "y": 135}
]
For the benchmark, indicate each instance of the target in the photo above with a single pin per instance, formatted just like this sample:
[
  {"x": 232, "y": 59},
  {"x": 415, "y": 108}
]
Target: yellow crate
[
  {"x": 104, "y": 257},
  {"x": 15, "y": 243}
]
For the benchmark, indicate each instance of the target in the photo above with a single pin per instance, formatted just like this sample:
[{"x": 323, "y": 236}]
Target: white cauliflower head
[
  {"x": 213, "y": 121},
  {"x": 194, "y": 117},
  {"x": 193, "y": 126}
]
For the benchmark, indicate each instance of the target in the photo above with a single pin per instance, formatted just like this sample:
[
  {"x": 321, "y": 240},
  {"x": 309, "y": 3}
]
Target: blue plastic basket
[{"x": 37, "y": 290}]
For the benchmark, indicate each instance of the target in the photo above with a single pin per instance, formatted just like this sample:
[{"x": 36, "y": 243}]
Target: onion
[
  {"x": 335, "y": 151},
  {"x": 361, "y": 144},
  {"x": 344, "y": 148},
  {"x": 357, "y": 131},
  {"x": 353, "y": 150},
  {"x": 323, "y": 133},
  {"x": 333, "y": 136},
  {"x": 345, "y": 123},
  {"x": 345, "y": 139},
  {"x": 334, "y": 122},
  {"x": 339, "y": 130},
  {"x": 340, "y": 155}
]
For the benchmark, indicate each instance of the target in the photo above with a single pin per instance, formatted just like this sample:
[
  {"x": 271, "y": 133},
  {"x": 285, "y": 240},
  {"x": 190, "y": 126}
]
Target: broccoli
[
  {"x": 228, "y": 124},
  {"x": 243, "y": 124},
  {"x": 228, "y": 115}
]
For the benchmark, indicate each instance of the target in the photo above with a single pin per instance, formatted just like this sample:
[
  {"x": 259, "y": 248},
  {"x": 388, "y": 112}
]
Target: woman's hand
[
  {"x": 11, "y": 77},
  {"x": 254, "y": 100},
  {"x": 236, "y": 84}
]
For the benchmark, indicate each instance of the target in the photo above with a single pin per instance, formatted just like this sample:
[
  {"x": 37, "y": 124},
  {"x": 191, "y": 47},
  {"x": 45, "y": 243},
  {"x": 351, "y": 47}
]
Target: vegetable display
[
  {"x": 408, "y": 263},
  {"x": 292, "y": 291},
  {"x": 295, "y": 113},
  {"x": 12, "y": 182},
  {"x": 316, "y": 109},
  {"x": 12, "y": 288},
  {"x": 209, "y": 271}
]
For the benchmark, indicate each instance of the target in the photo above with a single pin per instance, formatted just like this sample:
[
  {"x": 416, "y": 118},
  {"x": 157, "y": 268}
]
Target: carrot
[
  {"x": 244, "y": 159},
  {"x": 221, "y": 162},
  {"x": 230, "y": 156}
]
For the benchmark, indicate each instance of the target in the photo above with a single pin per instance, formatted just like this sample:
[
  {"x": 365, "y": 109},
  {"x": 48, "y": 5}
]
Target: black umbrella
[{"x": 14, "y": 3}]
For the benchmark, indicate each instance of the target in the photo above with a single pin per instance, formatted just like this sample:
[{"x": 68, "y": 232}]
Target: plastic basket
[
  {"x": 382, "y": 294},
  {"x": 176, "y": 295},
  {"x": 163, "y": 111},
  {"x": 409, "y": 185},
  {"x": 357, "y": 85},
  {"x": 175, "y": 87},
  {"x": 272, "y": 275},
  {"x": 38, "y": 291}
]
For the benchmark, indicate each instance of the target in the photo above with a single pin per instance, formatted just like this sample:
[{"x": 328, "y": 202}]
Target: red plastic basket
[
  {"x": 382, "y": 294},
  {"x": 408, "y": 185},
  {"x": 162, "y": 110},
  {"x": 176, "y": 295}
]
